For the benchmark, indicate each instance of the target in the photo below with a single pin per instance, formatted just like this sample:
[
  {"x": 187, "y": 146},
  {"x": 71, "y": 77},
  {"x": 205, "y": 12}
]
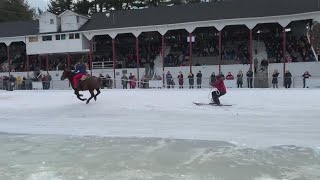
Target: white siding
[
  {"x": 69, "y": 22},
  {"x": 55, "y": 46},
  {"x": 45, "y": 24}
]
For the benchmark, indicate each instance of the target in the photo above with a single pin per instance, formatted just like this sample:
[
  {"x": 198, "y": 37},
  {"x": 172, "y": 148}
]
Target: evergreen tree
[
  {"x": 15, "y": 10},
  {"x": 83, "y": 7},
  {"x": 59, "y": 6}
]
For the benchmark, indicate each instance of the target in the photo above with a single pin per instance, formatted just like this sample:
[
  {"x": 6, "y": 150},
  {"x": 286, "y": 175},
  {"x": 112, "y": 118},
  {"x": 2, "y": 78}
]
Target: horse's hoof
[
  {"x": 95, "y": 99},
  {"x": 87, "y": 102},
  {"x": 84, "y": 99}
]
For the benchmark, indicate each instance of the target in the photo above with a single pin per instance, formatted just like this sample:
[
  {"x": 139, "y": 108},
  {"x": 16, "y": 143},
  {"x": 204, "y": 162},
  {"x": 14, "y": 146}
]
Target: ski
[{"x": 210, "y": 104}]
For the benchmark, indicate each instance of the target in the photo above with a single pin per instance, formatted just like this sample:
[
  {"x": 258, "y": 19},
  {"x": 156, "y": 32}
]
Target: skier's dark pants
[{"x": 216, "y": 95}]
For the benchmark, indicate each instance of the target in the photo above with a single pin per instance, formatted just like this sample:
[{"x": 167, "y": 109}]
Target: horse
[{"x": 87, "y": 83}]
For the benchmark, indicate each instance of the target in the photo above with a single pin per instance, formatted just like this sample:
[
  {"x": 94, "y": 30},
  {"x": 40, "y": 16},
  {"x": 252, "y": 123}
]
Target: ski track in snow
[{"x": 258, "y": 117}]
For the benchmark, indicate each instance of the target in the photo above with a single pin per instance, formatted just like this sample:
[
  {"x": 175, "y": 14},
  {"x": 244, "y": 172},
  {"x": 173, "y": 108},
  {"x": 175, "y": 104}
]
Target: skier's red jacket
[{"x": 219, "y": 84}]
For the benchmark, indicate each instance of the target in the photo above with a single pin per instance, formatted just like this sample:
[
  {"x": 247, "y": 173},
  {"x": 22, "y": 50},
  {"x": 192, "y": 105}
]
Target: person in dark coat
[
  {"x": 249, "y": 78},
  {"x": 212, "y": 78},
  {"x": 287, "y": 79},
  {"x": 275, "y": 76},
  {"x": 199, "y": 79},
  {"x": 124, "y": 81},
  {"x": 305, "y": 76},
  {"x": 180, "y": 79},
  {"x": 169, "y": 79},
  {"x": 191, "y": 80},
  {"x": 239, "y": 79}
]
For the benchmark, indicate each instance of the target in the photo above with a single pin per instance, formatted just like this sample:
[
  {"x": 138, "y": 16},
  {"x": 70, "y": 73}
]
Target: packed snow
[{"x": 258, "y": 117}]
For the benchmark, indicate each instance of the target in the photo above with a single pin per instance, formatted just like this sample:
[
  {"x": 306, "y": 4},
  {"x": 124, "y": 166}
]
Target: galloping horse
[{"x": 90, "y": 84}]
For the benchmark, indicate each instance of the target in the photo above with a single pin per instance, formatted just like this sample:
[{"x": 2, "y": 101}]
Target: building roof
[
  {"x": 162, "y": 15},
  {"x": 76, "y": 14},
  {"x": 20, "y": 28},
  {"x": 228, "y": 9}
]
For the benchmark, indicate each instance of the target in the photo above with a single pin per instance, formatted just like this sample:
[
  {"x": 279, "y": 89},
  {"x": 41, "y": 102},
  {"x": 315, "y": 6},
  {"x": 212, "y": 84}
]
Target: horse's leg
[
  {"x": 98, "y": 92},
  {"x": 92, "y": 96},
  {"x": 79, "y": 95}
]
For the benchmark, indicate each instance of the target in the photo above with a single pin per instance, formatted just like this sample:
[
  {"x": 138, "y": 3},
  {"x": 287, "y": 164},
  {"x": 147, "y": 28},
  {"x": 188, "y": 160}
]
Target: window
[
  {"x": 71, "y": 36},
  {"x": 33, "y": 39},
  {"x": 77, "y": 36},
  {"x": 78, "y": 19},
  {"x": 51, "y": 21},
  {"x": 58, "y": 37},
  {"x": 46, "y": 38},
  {"x": 63, "y": 37}
]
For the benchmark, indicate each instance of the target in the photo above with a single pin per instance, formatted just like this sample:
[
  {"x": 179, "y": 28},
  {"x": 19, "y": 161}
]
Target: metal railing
[
  {"x": 268, "y": 82},
  {"x": 102, "y": 65}
]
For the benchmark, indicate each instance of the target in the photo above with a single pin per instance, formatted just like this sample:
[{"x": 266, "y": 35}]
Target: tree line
[
  {"x": 91, "y": 6},
  {"x": 19, "y": 10}
]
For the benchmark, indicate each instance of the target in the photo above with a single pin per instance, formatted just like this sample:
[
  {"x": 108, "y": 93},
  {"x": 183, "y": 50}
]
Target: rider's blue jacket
[{"x": 80, "y": 68}]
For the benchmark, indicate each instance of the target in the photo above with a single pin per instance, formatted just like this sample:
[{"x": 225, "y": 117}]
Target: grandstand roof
[
  {"x": 20, "y": 28},
  {"x": 228, "y": 9}
]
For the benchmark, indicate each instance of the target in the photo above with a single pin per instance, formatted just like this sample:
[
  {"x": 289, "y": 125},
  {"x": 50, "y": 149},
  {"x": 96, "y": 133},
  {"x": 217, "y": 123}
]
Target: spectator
[
  {"x": 275, "y": 79},
  {"x": 124, "y": 80},
  {"x": 133, "y": 82},
  {"x": 305, "y": 76},
  {"x": 229, "y": 76},
  {"x": 130, "y": 79},
  {"x": 264, "y": 65},
  {"x": 255, "y": 65},
  {"x": 212, "y": 78},
  {"x": 48, "y": 79},
  {"x": 249, "y": 78},
  {"x": 19, "y": 82},
  {"x": 108, "y": 81},
  {"x": 239, "y": 79},
  {"x": 191, "y": 80},
  {"x": 180, "y": 78},
  {"x": 287, "y": 79},
  {"x": 199, "y": 79},
  {"x": 169, "y": 79},
  {"x": 144, "y": 81}
]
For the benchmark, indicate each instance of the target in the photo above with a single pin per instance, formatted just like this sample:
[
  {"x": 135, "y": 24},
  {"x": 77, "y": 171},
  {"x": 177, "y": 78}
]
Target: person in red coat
[{"x": 221, "y": 89}]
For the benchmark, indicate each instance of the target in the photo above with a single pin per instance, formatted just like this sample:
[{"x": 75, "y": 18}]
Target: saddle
[{"x": 84, "y": 77}]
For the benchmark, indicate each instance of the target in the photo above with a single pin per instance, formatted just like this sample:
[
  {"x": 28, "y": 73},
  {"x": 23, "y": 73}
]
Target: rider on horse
[{"x": 80, "y": 70}]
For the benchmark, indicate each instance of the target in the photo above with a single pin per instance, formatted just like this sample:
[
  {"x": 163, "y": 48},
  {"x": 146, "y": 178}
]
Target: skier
[{"x": 221, "y": 89}]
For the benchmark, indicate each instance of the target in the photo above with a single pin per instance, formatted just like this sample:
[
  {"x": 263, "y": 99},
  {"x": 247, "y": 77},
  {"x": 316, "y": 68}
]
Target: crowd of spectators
[
  {"x": 298, "y": 49},
  {"x": 25, "y": 83}
]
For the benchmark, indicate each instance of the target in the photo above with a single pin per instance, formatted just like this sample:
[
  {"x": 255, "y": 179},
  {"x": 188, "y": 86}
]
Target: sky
[{"x": 42, "y": 4}]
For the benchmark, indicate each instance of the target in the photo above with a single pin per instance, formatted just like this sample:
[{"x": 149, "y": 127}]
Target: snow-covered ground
[
  {"x": 257, "y": 117},
  {"x": 159, "y": 134}
]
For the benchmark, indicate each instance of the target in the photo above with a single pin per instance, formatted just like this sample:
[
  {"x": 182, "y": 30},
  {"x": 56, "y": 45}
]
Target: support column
[
  {"x": 47, "y": 62},
  {"x": 114, "y": 62},
  {"x": 284, "y": 49},
  {"x": 8, "y": 56},
  {"x": 162, "y": 51},
  {"x": 68, "y": 61},
  {"x": 190, "y": 51},
  {"x": 250, "y": 49},
  {"x": 219, "y": 58},
  {"x": 28, "y": 65},
  {"x": 40, "y": 62},
  {"x": 137, "y": 54},
  {"x": 91, "y": 56}
]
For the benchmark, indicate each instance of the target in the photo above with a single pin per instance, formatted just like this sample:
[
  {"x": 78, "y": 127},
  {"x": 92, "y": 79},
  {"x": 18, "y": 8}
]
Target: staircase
[{"x": 261, "y": 77}]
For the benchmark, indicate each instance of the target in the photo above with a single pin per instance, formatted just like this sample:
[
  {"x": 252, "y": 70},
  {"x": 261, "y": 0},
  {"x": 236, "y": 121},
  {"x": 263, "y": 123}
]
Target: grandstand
[{"x": 224, "y": 36}]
